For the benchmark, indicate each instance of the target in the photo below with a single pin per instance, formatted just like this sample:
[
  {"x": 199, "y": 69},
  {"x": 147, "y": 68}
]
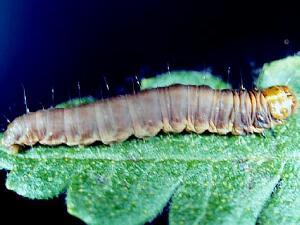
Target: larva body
[{"x": 171, "y": 109}]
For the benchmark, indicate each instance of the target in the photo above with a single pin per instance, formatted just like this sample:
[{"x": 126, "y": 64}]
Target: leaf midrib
[{"x": 175, "y": 159}]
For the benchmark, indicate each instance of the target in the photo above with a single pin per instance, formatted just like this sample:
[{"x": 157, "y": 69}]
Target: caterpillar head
[{"x": 281, "y": 100}]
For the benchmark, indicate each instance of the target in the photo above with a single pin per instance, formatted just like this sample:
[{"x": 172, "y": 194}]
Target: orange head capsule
[{"x": 281, "y": 100}]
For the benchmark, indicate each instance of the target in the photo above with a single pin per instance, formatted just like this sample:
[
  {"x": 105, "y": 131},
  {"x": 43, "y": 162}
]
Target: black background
[{"x": 56, "y": 44}]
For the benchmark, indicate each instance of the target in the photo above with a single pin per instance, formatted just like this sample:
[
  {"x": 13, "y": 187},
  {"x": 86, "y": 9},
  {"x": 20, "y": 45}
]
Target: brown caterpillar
[{"x": 171, "y": 109}]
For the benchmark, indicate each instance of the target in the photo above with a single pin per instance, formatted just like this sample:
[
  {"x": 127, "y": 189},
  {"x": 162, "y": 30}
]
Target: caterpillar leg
[{"x": 15, "y": 149}]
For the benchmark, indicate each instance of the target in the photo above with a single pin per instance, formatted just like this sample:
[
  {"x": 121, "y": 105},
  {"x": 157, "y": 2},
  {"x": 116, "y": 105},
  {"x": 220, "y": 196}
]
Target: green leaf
[
  {"x": 186, "y": 78},
  {"x": 208, "y": 179},
  {"x": 76, "y": 102},
  {"x": 281, "y": 72}
]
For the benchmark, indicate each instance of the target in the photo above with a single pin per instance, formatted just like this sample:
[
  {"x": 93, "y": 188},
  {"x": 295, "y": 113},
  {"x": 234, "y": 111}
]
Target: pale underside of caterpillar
[{"x": 170, "y": 109}]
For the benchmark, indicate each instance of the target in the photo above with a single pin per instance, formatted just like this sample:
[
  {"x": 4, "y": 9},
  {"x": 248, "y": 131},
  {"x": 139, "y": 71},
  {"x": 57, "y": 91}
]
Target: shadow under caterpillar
[{"x": 171, "y": 109}]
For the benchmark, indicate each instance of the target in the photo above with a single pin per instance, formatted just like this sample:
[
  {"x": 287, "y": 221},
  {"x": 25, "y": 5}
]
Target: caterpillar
[{"x": 170, "y": 109}]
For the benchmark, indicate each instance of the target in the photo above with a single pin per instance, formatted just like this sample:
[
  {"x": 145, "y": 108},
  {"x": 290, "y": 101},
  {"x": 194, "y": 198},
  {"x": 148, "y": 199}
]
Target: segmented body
[{"x": 171, "y": 109}]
